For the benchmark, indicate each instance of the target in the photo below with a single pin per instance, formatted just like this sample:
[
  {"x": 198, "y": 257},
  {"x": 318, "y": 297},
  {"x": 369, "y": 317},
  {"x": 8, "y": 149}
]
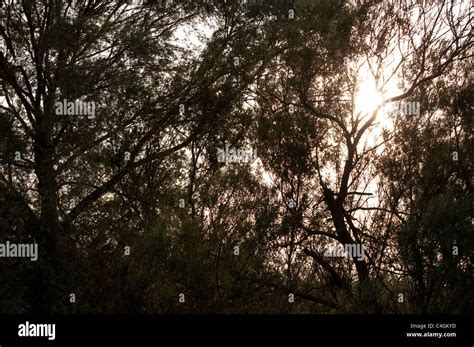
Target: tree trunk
[{"x": 48, "y": 230}]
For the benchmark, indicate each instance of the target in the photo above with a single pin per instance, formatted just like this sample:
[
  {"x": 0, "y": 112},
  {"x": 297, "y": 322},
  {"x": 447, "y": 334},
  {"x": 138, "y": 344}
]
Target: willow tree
[
  {"x": 321, "y": 132},
  {"x": 111, "y": 130},
  {"x": 145, "y": 98}
]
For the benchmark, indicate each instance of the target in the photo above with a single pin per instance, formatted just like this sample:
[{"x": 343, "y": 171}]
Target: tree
[{"x": 112, "y": 129}]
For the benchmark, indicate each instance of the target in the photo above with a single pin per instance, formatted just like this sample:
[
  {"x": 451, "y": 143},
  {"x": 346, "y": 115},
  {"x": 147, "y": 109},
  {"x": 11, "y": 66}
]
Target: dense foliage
[{"x": 133, "y": 211}]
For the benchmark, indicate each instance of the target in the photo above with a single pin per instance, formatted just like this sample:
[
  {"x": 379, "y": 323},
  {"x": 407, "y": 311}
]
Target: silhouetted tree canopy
[{"x": 133, "y": 209}]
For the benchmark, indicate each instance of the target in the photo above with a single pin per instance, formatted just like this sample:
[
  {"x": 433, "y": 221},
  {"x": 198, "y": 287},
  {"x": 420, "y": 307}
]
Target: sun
[{"x": 367, "y": 97}]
